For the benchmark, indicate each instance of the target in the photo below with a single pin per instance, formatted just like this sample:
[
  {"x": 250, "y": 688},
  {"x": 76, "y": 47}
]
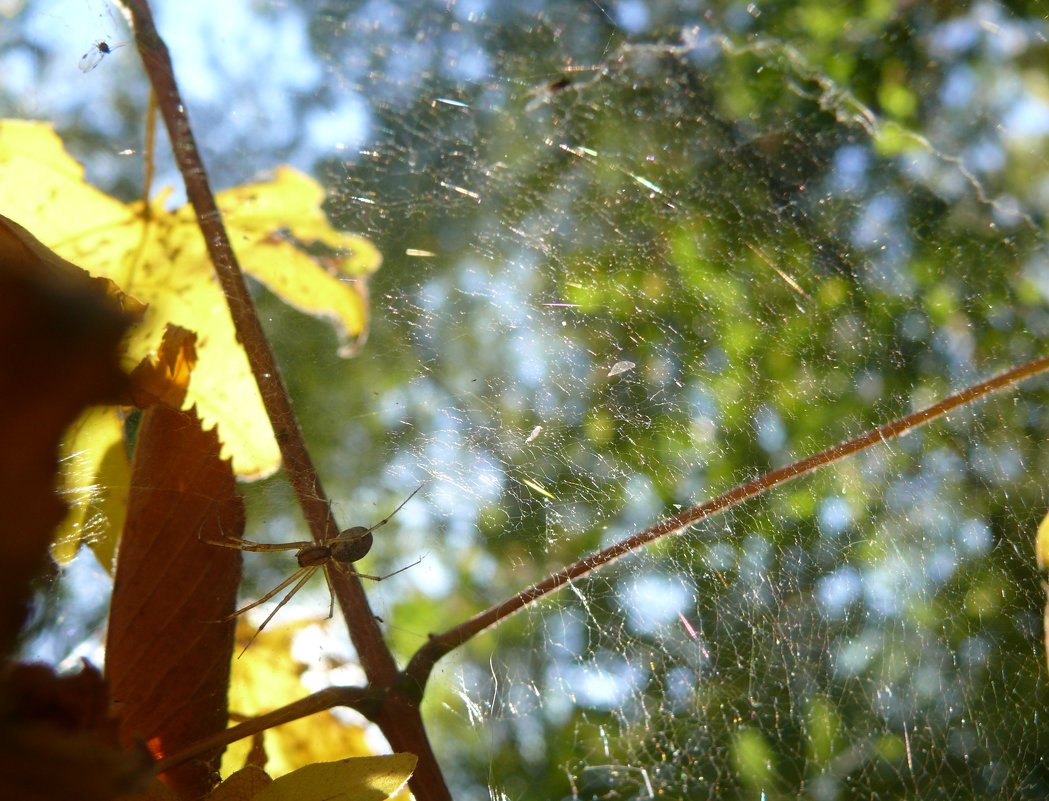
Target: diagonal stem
[
  {"x": 362, "y": 699},
  {"x": 421, "y": 664},
  {"x": 402, "y": 725},
  {"x": 376, "y": 658}
]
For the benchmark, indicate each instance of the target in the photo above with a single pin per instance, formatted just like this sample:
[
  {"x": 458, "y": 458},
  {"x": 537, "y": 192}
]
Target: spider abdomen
[{"x": 353, "y": 544}]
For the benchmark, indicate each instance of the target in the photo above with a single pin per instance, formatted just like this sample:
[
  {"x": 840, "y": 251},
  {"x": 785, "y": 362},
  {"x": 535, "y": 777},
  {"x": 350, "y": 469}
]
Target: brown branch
[
  {"x": 362, "y": 699},
  {"x": 402, "y": 725},
  {"x": 376, "y": 659},
  {"x": 421, "y": 664}
]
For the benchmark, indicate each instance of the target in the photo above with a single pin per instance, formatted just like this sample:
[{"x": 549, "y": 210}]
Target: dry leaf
[
  {"x": 164, "y": 378},
  {"x": 59, "y": 336},
  {"x": 167, "y": 654},
  {"x": 59, "y": 741}
]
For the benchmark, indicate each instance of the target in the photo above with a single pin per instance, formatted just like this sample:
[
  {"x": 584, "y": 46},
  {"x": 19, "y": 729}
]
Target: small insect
[
  {"x": 98, "y": 51},
  {"x": 621, "y": 367},
  {"x": 545, "y": 93},
  {"x": 339, "y": 552}
]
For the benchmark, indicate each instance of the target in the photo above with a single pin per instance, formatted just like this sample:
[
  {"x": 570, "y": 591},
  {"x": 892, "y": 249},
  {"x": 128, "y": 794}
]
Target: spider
[{"x": 341, "y": 552}]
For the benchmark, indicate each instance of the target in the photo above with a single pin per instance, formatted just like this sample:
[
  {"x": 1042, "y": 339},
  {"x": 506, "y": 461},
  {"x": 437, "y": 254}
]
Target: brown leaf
[
  {"x": 76, "y": 701},
  {"x": 167, "y": 654},
  {"x": 58, "y": 741},
  {"x": 165, "y": 378},
  {"x": 156, "y": 791},
  {"x": 59, "y": 336}
]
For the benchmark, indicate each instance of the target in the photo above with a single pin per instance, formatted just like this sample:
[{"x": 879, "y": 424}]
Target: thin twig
[
  {"x": 438, "y": 645},
  {"x": 362, "y": 699},
  {"x": 149, "y": 153},
  {"x": 376, "y": 659}
]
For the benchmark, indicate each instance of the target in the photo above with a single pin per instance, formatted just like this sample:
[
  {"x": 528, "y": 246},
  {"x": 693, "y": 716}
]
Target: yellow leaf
[
  {"x": 361, "y": 779},
  {"x": 96, "y": 470},
  {"x": 96, "y": 480},
  {"x": 267, "y": 677},
  {"x": 160, "y": 258},
  {"x": 243, "y": 785},
  {"x": 1041, "y": 547},
  {"x": 35, "y": 168},
  {"x": 258, "y": 213}
]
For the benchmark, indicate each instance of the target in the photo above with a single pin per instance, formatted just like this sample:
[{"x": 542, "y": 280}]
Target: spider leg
[
  {"x": 240, "y": 544},
  {"x": 346, "y": 536},
  {"x": 307, "y": 574},
  {"x": 388, "y": 575},
  {"x": 271, "y": 593},
  {"x": 388, "y": 517},
  {"x": 331, "y": 595}
]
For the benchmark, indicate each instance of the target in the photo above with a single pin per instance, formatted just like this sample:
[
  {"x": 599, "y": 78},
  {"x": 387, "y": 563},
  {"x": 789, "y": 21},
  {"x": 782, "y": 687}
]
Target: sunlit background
[{"x": 636, "y": 253}]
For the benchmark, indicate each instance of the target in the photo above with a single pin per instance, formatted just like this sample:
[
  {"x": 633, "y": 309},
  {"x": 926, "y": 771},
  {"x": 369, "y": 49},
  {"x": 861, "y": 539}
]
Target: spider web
[
  {"x": 635, "y": 256},
  {"x": 638, "y": 254}
]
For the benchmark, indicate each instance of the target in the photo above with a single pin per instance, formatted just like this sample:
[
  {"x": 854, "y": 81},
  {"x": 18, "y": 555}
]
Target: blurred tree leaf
[
  {"x": 96, "y": 474},
  {"x": 60, "y": 740}
]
